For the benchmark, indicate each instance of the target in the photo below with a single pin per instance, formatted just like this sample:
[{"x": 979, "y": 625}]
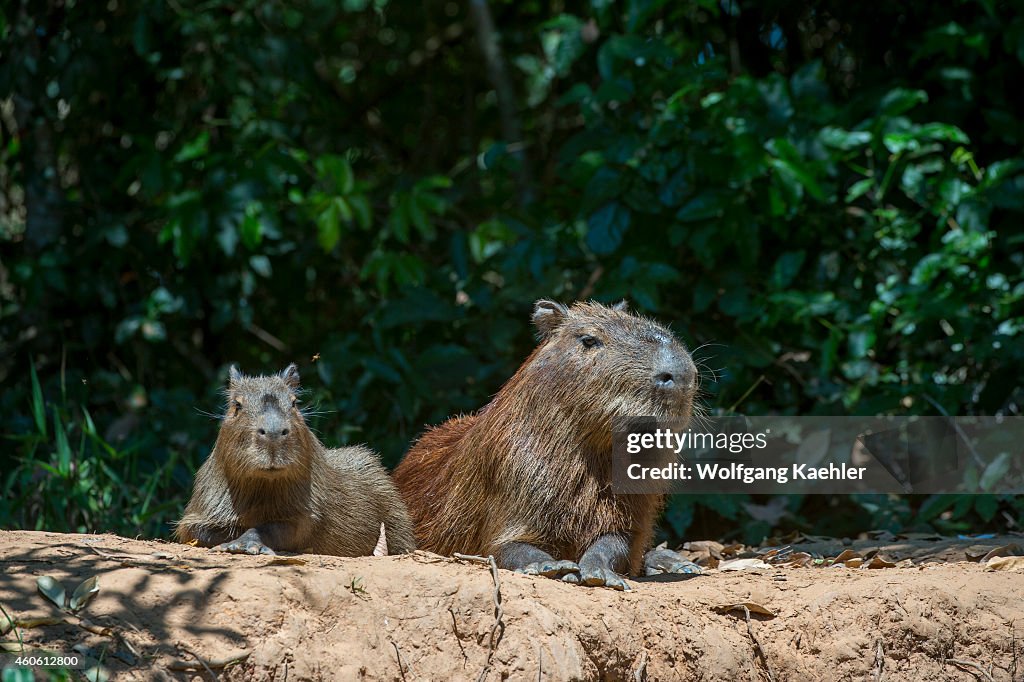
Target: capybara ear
[
  {"x": 547, "y": 315},
  {"x": 621, "y": 306},
  {"x": 234, "y": 376},
  {"x": 291, "y": 376}
]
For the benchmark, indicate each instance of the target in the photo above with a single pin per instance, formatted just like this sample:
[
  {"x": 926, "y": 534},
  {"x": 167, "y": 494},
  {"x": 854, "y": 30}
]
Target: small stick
[
  {"x": 640, "y": 674},
  {"x": 758, "y": 645},
  {"x": 879, "y": 660},
  {"x": 455, "y": 628},
  {"x": 398, "y": 653},
  {"x": 971, "y": 664},
  {"x": 207, "y": 665},
  {"x": 498, "y": 629}
]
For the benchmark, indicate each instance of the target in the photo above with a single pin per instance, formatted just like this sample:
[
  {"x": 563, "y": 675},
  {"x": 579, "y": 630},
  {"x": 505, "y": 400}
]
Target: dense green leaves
[{"x": 331, "y": 183}]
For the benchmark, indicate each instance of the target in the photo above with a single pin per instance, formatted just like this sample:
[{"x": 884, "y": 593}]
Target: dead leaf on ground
[
  {"x": 1012, "y": 549},
  {"x": 774, "y": 555},
  {"x": 84, "y": 593},
  {"x": 848, "y": 557},
  {"x": 52, "y": 589},
  {"x": 742, "y": 565},
  {"x": 799, "y": 560},
  {"x": 878, "y": 562},
  {"x": 710, "y": 546},
  {"x": 1005, "y": 563},
  {"x": 751, "y": 606}
]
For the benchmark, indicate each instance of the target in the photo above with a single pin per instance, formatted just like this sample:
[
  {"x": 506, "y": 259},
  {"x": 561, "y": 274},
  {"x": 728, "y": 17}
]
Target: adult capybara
[
  {"x": 270, "y": 485},
  {"x": 528, "y": 477}
]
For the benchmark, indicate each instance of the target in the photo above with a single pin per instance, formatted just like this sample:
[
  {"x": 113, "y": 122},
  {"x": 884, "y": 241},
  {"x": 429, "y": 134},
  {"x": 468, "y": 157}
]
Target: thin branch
[
  {"x": 511, "y": 129},
  {"x": 498, "y": 629},
  {"x": 972, "y": 665},
  {"x": 757, "y": 645},
  {"x": 209, "y": 665}
]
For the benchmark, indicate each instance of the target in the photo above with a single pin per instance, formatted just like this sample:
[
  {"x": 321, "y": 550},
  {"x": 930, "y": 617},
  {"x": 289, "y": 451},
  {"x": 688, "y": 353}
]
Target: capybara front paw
[
  {"x": 244, "y": 546},
  {"x": 550, "y": 569},
  {"x": 666, "y": 561},
  {"x": 599, "y": 576}
]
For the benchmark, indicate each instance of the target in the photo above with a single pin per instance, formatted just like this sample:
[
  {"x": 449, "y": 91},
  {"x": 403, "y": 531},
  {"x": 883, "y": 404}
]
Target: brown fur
[
  {"x": 534, "y": 465},
  {"x": 326, "y": 501}
]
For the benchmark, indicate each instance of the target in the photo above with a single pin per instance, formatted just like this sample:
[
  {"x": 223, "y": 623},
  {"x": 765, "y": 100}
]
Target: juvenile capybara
[
  {"x": 528, "y": 477},
  {"x": 270, "y": 484}
]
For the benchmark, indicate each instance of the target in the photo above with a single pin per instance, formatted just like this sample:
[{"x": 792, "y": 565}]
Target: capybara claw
[
  {"x": 550, "y": 569},
  {"x": 660, "y": 561},
  {"x": 599, "y": 576},
  {"x": 244, "y": 547}
]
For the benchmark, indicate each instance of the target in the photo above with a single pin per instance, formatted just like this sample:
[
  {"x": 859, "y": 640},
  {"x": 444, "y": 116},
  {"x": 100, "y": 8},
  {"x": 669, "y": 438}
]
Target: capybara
[
  {"x": 528, "y": 477},
  {"x": 270, "y": 485}
]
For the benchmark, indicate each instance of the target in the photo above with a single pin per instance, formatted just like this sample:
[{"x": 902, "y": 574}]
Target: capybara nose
[
  {"x": 272, "y": 427},
  {"x": 675, "y": 373},
  {"x": 665, "y": 380}
]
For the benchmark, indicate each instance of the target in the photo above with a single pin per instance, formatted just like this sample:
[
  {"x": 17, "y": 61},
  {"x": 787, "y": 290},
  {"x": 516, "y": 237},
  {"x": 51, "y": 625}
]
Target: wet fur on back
[
  {"x": 335, "y": 500},
  {"x": 534, "y": 465}
]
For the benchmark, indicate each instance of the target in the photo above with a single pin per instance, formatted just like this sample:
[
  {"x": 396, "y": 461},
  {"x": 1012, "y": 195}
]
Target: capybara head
[
  {"x": 608, "y": 362},
  {"x": 264, "y": 433}
]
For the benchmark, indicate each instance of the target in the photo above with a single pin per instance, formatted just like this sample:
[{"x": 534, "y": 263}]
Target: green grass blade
[
  {"x": 38, "y": 404},
  {"x": 63, "y": 448}
]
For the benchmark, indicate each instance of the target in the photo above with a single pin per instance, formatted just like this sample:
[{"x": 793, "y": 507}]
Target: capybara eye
[
  {"x": 237, "y": 404},
  {"x": 590, "y": 341}
]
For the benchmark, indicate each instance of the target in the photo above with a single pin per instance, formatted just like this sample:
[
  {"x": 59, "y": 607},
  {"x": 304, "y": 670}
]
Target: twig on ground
[
  {"x": 640, "y": 674},
  {"x": 498, "y": 629},
  {"x": 455, "y": 628},
  {"x": 879, "y": 660},
  {"x": 972, "y": 665},
  {"x": 757, "y": 645},
  {"x": 207, "y": 665},
  {"x": 398, "y": 653}
]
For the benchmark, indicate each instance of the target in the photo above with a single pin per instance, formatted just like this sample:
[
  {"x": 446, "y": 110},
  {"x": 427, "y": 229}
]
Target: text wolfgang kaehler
[{"x": 734, "y": 443}]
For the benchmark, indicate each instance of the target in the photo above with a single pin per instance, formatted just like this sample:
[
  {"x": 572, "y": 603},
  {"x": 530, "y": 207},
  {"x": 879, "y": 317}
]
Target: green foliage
[
  {"x": 329, "y": 183},
  {"x": 67, "y": 477}
]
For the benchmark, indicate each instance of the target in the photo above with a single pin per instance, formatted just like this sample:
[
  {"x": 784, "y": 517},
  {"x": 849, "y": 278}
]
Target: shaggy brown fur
[
  {"x": 269, "y": 483},
  {"x": 534, "y": 465}
]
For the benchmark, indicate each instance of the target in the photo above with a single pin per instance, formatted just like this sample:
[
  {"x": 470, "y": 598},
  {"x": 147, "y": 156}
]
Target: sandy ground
[{"x": 936, "y": 615}]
